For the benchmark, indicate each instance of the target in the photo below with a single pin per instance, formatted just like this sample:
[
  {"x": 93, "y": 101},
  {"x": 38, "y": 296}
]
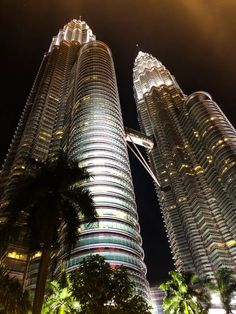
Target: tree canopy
[{"x": 99, "y": 288}]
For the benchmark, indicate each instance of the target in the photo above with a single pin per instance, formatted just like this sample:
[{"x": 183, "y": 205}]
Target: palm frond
[
  {"x": 184, "y": 293},
  {"x": 72, "y": 223},
  {"x": 83, "y": 201},
  {"x": 12, "y": 297}
]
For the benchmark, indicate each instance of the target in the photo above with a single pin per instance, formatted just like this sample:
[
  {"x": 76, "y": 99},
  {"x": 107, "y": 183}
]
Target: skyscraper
[
  {"x": 74, "y": 106},
  {"x": 194, "y": 159},
  {"x": 157, "y": 296}
]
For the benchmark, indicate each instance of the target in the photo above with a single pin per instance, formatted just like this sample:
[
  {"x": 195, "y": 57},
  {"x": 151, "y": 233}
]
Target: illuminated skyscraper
[
  {"x": 194, "y": 159},
  {"x": 74, "y": 105},
  {"x": 157, "y": 296}
]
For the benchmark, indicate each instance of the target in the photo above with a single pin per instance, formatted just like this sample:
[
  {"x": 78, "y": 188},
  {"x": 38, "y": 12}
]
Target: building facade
[
  {"x": 157, "y": 296},
  {"x": 194, "y": 160},
  {"x": 74, "y": 106}
]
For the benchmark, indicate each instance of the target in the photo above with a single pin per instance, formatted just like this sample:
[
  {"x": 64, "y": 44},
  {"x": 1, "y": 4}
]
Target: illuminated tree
[
  {"x": 60, "y": 299},
  {"x": 101, "y": 289},
  {"x": 226, "y": 286},
  {"x": 184, "y": 294}
]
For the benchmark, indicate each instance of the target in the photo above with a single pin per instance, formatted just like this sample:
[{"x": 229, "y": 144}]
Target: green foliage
[
  {"x": 60, "y": 298},
  {"x": 101, "y": 289},
  {"x": 92, "y": 284},
  {"x": 184, "y": 294},
  {"x": 13, "y": 300},
  {"x": 226, "y": 286},
  {"x": 133, "y": 305}
]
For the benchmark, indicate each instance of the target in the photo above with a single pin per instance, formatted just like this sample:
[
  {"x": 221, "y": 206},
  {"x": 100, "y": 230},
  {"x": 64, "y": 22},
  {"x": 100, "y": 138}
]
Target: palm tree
[
  {"x": 198, "y": 289},
  {"x": 13, "y": 300},
  {"x": 226, "y": 286},
  {"x": 45, "y": 198},
  {"x": 183, "y": 295},
  {"x": 60, "y": 300}
]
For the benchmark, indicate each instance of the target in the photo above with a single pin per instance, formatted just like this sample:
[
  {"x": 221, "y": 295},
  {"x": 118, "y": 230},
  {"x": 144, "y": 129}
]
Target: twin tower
[{"x": 74, "y": 106}]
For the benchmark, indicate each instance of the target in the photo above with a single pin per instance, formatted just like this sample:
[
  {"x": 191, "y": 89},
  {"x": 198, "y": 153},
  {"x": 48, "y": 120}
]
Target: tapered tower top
[
  {"x": 74, "y": 31},
  {"x": 149, "y": 72},
  {"x": 144, "y": 61}
]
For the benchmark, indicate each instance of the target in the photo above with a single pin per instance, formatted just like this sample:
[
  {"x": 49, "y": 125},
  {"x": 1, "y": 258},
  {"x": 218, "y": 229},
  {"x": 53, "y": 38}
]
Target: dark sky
[{"x": 194, "y": 39}]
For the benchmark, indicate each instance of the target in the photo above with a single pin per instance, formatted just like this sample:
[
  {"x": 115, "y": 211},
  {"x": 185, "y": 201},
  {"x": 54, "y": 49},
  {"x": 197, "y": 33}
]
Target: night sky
[{"x": 194, "y": 39}]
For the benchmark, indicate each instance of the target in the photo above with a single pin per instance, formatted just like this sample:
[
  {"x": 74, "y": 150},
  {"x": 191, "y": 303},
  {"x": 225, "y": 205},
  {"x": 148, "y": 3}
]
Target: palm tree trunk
[
  {"x": 26, "y": 271},
  {"x": 42, "y": 275},
  {"x": 62, "y": 309},
  {"x": 226, "y": 305},
  {"x": 186, "y": 308}
]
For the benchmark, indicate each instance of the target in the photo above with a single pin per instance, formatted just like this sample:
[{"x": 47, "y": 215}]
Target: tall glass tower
[
  {"x": 74, "y": 106},
  {"x": 194, "y": 159}
]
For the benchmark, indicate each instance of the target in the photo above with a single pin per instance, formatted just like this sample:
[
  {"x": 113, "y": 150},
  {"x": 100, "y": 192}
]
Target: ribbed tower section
[
  {"x": 41, "y": 129},
  {"x": 198, "y": 212},
  {"x": 157, "y": 98},
  {"x": 97, "y": 141},
  {"x": 213, "y": 142},
  {"x": 74, "y": 106}
]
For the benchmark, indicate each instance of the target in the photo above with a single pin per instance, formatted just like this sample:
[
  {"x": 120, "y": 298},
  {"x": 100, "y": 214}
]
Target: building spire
[{"x": 74, "y": 31}]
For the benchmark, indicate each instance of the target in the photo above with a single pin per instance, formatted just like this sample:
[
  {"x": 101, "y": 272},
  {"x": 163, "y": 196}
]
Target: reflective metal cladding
[
  {"x": 97, "y": 141},
  {"x": 195, "y": 162},
  {"x": 74, "y": 105}
]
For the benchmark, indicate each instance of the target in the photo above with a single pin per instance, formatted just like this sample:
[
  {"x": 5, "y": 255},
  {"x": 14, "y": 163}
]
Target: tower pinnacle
[{"x": 76, "y": 31}]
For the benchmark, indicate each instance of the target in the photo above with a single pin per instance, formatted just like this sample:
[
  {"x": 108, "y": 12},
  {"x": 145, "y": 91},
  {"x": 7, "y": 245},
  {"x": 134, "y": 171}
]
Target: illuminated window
[
  {"x": 198, "y": 169},
  {"x": 16, "y": 255},
  {"x": 231, "y": 243},
  {"x": 36, "y": 255}
]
